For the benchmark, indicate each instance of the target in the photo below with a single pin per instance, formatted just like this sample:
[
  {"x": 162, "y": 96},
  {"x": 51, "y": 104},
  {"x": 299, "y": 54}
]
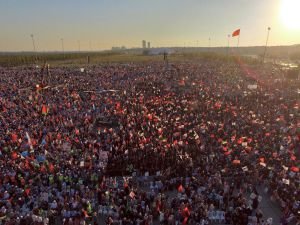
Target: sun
[{"x": 290, "y": 13}]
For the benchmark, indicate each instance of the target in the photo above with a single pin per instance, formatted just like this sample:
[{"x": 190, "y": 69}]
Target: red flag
[
  {"x": 85, "y": 213},
  {"x": 180, "y": 188},
  {"x": 51, "y": 168},
  {"x": 186, "y": 212},
  {"x": 236, "y": 33},
  {"x": 132, "y": 195},
  {"x": 44, "y": 109},
  {"x": 240, "y": 140},
  {"x": 227, "y": 153},
  {"x": 294, "y": 169},
  {"x": 76, "y": 131},
  {"x": 14, "y": 137},
  {"x": 236, "y": 161},
  {"x": 14, "y": 155}
]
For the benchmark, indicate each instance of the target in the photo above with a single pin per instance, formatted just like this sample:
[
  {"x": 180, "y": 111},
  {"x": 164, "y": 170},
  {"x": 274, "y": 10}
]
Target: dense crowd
[{"x": 141, "y": 144}]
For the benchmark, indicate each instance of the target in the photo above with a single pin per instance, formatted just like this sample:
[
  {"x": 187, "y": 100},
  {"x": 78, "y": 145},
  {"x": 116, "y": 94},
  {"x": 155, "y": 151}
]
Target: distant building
[
  {"x": 144, "y": 44},
  {"x": 160, "y": 51},
  {"x": 149, "y": 44},
  {"x": 117, "y": 48}
]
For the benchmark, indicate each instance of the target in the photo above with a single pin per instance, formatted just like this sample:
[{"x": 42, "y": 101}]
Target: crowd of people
[{"x": 153, "y": 143}]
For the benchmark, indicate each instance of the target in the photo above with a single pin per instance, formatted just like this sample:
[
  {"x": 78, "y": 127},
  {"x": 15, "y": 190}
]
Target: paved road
[{"x": 269, "y": 208}]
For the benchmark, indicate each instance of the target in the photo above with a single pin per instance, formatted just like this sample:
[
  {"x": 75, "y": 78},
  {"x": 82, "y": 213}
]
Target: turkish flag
[
  {"x": 236, "y": 33},
  {"x": 180, "y": 188},
  {"x": 294, "y": 169},
  {"x": 44, "y": 109}
]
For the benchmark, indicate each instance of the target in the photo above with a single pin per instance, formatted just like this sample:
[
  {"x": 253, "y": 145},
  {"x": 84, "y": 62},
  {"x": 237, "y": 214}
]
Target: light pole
[
  {"x": 33, "y": 44},
  {"x": 269, "y": 28},
  {"x": 62, "y": 46},
  {"x": 209, "y": 43},
  {"x": 78, "y": 45}
]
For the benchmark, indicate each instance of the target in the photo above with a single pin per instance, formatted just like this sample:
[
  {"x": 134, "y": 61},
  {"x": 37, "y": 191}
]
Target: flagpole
[
  {"x": 237, "y": 46},
  {"x": 228, "y": 44},
  {"x": 238, "y": 42}
]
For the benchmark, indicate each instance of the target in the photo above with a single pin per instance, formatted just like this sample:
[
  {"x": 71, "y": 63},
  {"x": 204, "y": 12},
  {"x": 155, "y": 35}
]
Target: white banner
[{"x": 252, "y": 86}]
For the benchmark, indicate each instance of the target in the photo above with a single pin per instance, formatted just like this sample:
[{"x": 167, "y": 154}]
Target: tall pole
[
  {"x": 237, "y": 47},
  {"x": 228, "y": 44},
  {"x": 33, "y": 44},
  {"x": 78, "y": 45},
  {"x": 269, "y": 28},
  {"x": 62, "y": 46},
  {"x": 209, "y": 42}
]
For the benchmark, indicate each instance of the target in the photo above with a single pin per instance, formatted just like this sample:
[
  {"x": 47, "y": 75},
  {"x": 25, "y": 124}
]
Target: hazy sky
[{"x": 101, "y": 24}]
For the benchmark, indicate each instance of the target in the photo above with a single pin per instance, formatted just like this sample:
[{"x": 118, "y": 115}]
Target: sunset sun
[{"x": 290, "y": 14}]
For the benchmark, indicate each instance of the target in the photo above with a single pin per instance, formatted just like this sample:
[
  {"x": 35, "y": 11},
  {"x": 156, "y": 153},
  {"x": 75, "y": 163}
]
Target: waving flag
[
  {"x": 180, "y": 188},
  {"x": 236, "y": 33},
  {"x": 45, "y": 109}
]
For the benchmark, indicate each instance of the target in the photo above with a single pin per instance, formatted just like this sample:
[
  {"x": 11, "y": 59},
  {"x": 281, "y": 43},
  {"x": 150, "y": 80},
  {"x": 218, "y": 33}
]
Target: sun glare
[{"x": 290, "y": 13}]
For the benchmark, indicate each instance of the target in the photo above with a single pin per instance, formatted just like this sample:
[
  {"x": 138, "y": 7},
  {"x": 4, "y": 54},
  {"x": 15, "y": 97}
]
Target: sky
[{"x": 101, "y": 24}]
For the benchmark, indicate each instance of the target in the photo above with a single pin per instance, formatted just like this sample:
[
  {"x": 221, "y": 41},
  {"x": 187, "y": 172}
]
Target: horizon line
[{"x": 140, "y": 48}]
